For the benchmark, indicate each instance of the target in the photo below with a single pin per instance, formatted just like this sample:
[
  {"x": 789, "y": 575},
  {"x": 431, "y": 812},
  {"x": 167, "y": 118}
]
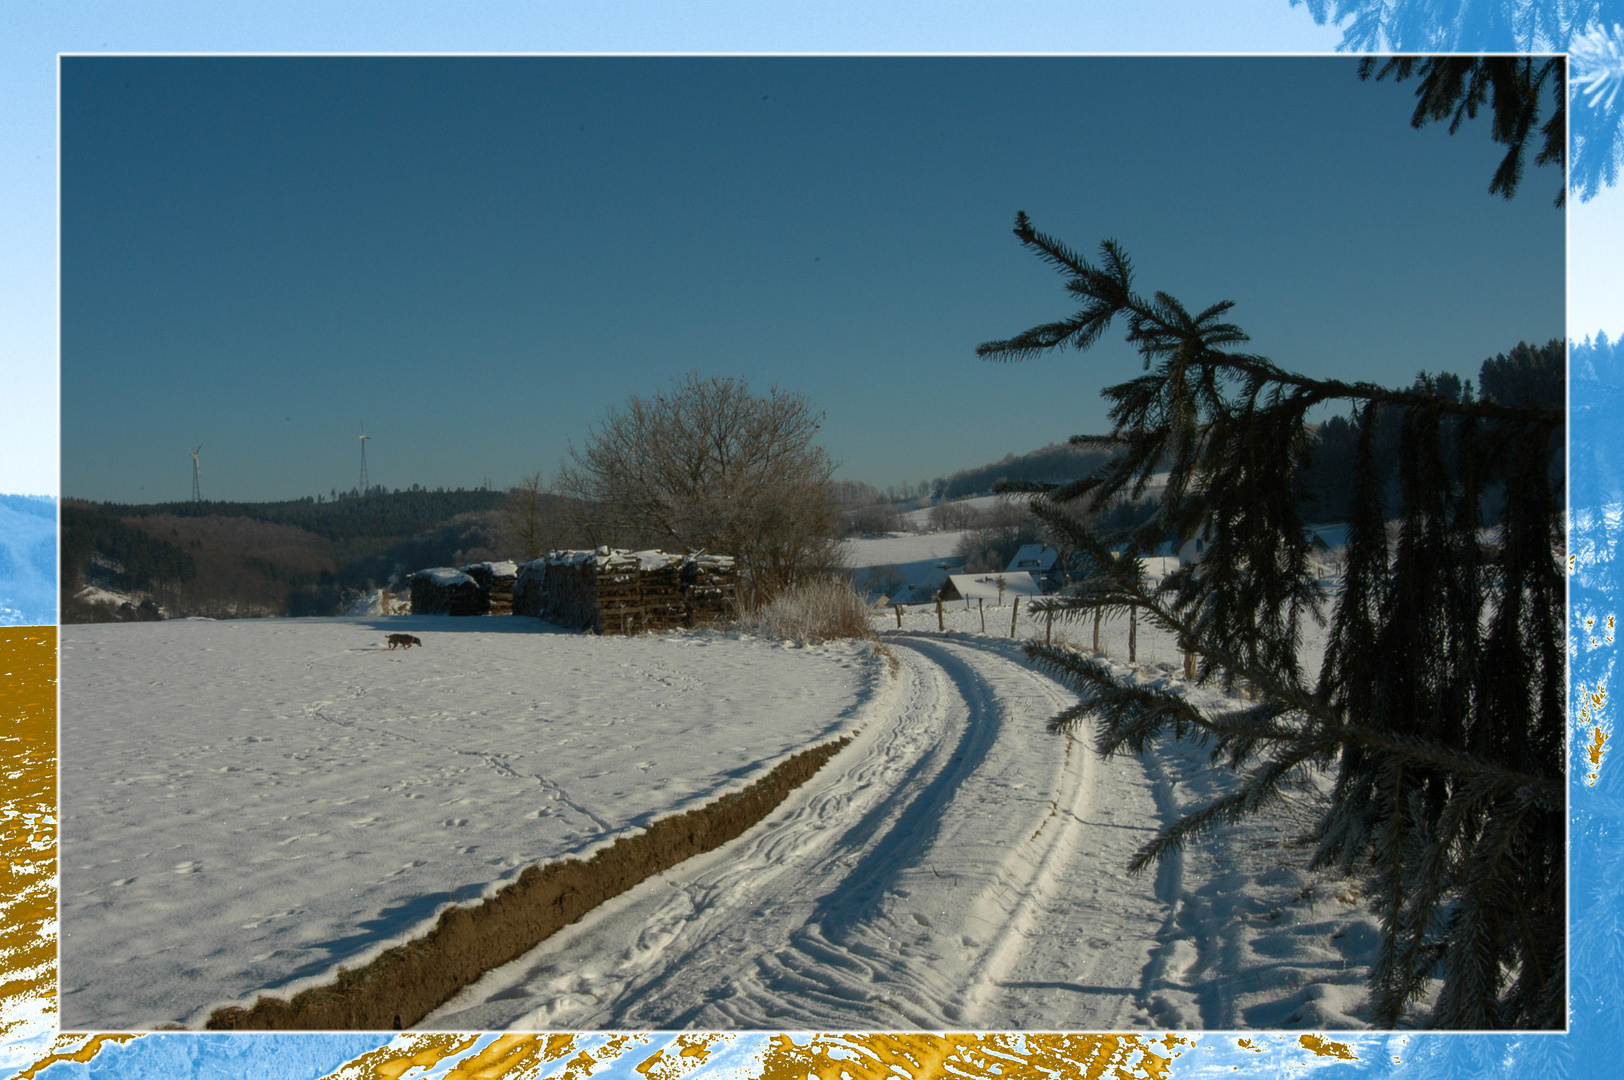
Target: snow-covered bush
[{"x": 822, "y": 609}]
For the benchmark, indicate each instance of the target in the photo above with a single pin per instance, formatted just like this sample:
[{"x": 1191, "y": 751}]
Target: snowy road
[{"x": 954, "y": 867}]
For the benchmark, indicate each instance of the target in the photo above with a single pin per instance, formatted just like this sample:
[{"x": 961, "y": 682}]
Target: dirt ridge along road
[
  {"x": 405, "y": 983},
  {"x": 955, "y": 867}
]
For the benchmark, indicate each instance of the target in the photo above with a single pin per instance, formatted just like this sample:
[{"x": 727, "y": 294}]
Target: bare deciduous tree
[
  {"x": 529, "y": 525},
  {"x": 708, "y": 466},
  {"x": 951, "y": 516}
]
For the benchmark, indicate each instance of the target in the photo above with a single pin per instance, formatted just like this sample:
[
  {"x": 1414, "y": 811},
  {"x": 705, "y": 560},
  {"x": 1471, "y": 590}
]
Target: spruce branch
[{"x": 1439, "y": 705}]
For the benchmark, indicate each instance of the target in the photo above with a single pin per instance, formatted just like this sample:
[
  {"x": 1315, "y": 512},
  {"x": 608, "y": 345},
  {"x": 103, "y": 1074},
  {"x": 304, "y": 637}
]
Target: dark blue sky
[{"x": 476, "y": 257}]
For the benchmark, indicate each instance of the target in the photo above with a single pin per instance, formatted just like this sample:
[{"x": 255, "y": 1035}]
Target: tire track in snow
[
  {"x": 689, "y": 918},
  {"x": 898, "y": 888},
  {"x": 1001, "y": 888}
]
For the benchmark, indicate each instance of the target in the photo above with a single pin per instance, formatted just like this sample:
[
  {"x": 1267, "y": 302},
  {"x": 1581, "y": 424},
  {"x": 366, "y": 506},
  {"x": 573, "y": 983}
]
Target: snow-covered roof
[
  {"x": 1037, "y": 558},
  {"x": 444, "y": 576},
  {"x": 985, "y": 586}
]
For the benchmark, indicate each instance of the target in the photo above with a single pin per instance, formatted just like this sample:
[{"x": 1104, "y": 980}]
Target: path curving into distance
[{"x": 954, "y": 867}]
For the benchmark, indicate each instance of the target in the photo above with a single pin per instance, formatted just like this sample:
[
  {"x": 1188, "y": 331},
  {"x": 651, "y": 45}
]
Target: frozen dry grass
[{"x": 823, "y": 609}]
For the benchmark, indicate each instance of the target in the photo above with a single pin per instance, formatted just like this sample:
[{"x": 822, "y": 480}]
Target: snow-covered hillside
[{"x": 904, "y": 567}]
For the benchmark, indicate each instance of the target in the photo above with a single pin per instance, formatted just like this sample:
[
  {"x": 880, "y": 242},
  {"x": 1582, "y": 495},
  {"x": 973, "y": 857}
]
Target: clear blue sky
[
  {"x": 34, "y": 32},
  {"x": 475, "y": 257}
]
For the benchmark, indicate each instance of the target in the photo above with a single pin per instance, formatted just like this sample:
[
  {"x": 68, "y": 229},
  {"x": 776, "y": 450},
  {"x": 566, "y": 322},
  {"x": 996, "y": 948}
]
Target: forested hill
[
  {"x": 302, "y": 557},
  {"x": 379, "y": 513},
  {"x": 1056, "y": 463}
]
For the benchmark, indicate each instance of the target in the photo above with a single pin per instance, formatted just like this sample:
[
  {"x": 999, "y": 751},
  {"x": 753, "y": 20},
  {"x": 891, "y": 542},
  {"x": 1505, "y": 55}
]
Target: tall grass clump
[{"x": 814, "y": 611}]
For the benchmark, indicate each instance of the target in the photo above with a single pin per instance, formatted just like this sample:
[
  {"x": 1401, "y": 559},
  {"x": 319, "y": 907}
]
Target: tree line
[{"x": 377, "y": 513}]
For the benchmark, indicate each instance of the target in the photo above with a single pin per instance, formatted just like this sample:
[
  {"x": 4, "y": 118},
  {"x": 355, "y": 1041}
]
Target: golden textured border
[{"x": 27, "y": 831}]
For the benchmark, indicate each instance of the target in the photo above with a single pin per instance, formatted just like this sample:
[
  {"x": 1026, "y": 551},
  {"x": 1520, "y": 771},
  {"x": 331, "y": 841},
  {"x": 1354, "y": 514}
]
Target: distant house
[
  {"x": 1039, "y": 560},
  {"x": 986, "y": 587}
]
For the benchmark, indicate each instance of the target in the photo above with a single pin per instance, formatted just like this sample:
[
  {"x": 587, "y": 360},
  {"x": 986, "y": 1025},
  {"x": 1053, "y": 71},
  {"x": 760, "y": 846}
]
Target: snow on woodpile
[
  {"x": 444, "y": 590},
  {"x": 610, "y": 591},
  {"x": 495, "y": 580}
]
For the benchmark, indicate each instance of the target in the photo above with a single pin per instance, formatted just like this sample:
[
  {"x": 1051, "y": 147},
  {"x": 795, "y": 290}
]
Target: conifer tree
[{"x": 1439, "y": 710}]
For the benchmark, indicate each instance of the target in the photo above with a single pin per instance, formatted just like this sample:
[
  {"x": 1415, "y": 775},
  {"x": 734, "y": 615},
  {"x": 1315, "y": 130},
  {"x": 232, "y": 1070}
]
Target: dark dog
[{"x": 405, "y": 641}]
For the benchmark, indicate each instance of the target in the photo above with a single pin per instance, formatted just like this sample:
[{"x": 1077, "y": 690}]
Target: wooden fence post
[
  {"x": 1048, "y": 626},
  {"x": 939, "y": 625},
  {"x": 1097, "y": 618},
  {"x": 980, "y": 611},
  {"x": 1133, "y": 635},
  {"x": 899, "y": 615},
  {"x": 1014, "y": 615}
]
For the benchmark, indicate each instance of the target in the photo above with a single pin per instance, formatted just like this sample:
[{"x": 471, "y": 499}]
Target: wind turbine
[
  {"x": 364, "y": 438},
  {"x": 197, "y": 471}
]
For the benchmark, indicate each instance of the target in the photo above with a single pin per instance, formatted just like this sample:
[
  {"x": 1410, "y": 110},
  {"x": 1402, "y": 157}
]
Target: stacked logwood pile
[
  {"x": 529, "y": 597},
  {"x": 447, "y": 591},
  {"x": 710, "y": 589},
  {"x": 625, "y": 592},
  {"x": 641, "y": 590},
  {"x": 495, "y": 580}
]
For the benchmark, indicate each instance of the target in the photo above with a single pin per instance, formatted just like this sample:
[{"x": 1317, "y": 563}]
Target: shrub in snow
[{"x": 822, "y": 609}]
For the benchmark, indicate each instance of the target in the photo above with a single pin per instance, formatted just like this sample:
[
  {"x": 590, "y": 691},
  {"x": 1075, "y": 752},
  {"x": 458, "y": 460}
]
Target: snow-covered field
[{"x": 249, "y": 805}]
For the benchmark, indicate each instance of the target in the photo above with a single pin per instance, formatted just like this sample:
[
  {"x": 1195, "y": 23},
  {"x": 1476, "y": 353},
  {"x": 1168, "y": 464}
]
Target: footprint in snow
[{"x": 188, "y": 867}]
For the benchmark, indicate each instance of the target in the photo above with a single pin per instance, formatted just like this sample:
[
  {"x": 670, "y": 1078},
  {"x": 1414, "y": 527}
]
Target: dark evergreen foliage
[
  {"x": 1527, "y": 375},
  {"x": 1454, "y": 88},
  {"x": 1440, "y": 705},
  {"x": 141, "y": 561},
  {"x": 1579, "y": 27}
]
